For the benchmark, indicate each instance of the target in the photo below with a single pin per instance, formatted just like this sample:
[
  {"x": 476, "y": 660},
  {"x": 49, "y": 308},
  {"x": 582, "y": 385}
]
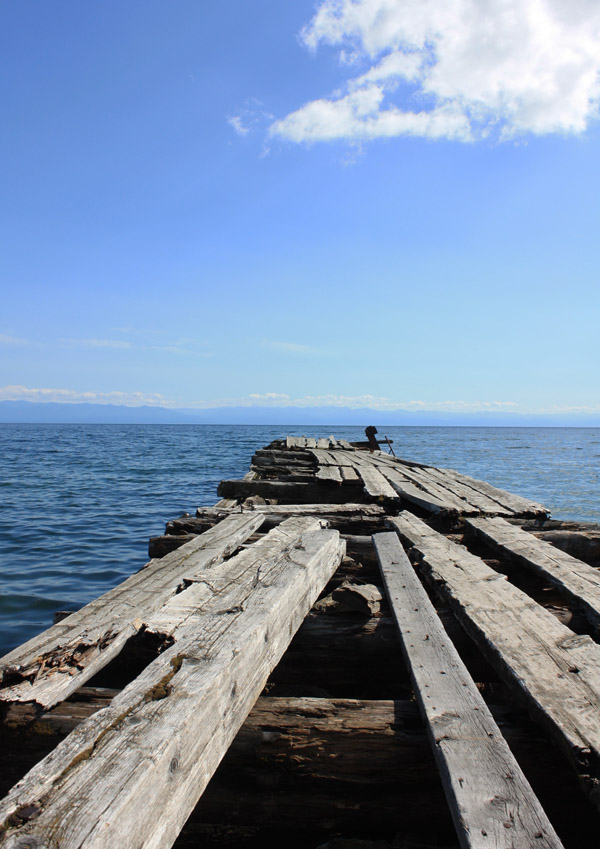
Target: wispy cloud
[
  {"x": 459, "y": 70},
  {"x": 129, "y": 399},
  {"x": 294, "y": 348},
  {"x": 373, "y": 402},
  {"x": 17, "y": 341},
  {"x": 96, "y": 343},
  {"x": 251, "y": 116}
]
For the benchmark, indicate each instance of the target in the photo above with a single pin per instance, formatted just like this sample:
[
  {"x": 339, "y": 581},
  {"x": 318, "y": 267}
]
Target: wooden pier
[{"x": 348, "y": 646}]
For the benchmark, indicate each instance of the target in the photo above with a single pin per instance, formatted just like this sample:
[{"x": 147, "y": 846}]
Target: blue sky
[{"x": 358, "y": 202}]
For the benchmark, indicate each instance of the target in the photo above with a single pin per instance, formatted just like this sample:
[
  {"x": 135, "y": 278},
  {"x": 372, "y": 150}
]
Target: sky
[{"x": 383, "y": 203}]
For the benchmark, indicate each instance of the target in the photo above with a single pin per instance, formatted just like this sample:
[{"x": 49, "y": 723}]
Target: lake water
[{"x": 79, "y": 502}]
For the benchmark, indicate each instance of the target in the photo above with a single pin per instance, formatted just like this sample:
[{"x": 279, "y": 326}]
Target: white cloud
[
  {"x": 269, "y": 396},
  {"x": 250, "y": 116},
  {"x": 458, "y": 69},
  {"x": 130, "y": 399},
  {"x": 236, "y": 122}
]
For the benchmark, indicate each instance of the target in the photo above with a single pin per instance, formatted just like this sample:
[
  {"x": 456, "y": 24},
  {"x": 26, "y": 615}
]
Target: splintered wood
[
  {"x": 295, "y": 588},
  {"x": 157, "y": 745}
]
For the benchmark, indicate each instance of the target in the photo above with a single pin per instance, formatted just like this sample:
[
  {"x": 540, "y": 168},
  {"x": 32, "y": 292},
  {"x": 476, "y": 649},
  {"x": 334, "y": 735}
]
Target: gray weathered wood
[
  {"x": 410, "y": 492},
  {"x": 131, "y": 774},
  {"x": 374, "y": 482},
  {"x": 282, "y": 490},
  {"x": 520, "y": 506},
  {"x": 555, "y": 670},
  {"x": 329, "y": 473},
  {"x": 576, "y": 580},
  {"x": 491, "y": 801},
  {"x": 47, "y": 668}
]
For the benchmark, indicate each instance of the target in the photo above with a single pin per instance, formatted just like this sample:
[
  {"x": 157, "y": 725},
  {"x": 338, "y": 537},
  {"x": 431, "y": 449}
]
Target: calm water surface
[{"x": 79, "y": 502}]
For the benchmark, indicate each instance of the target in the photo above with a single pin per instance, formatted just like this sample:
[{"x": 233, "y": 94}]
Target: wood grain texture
[
  {"x": 52, "y": 665},
  {"x": 556, "y": 671},
  {"x": 132, "y": 773},
  {"x": 491, "y": 801},
  {"x": 576, "y": 580}
]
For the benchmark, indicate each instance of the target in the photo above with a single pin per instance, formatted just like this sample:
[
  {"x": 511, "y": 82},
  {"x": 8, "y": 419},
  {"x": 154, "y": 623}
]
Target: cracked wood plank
[
  {"x": 49, "y": 667},
  {"x": 579, "y": 582},
  {"x": 516, "y": 503},
  {"x": 373, "y": 481},
  {"x": 418, "y": 484},
  {"x": 131, "y": 774},
  {"x": 491, "y": 801},
  {"x": 556, "y": 671}
]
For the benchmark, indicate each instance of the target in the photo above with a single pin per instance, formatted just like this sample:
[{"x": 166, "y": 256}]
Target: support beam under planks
[
  {"x": 491, "y": 801},
  {"x": 124, "y": 777},
  {"x": 556, "y": 671},
  {"x": 576, "y": 580},
  {"x": 52, "y": 665}
]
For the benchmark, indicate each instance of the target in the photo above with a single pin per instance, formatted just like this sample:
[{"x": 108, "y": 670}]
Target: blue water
[{"x": 80, "y": 501}]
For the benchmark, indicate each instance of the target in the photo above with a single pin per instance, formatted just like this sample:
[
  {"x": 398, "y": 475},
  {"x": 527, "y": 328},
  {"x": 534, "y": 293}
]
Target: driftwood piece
[
  {"x": 491, "y": 801},
  {"x": 47, "y": 668},
  {"x": 124, "y": 777},
  {"x": 576, "y": 580},
  {"x": 556, "y": 671}
]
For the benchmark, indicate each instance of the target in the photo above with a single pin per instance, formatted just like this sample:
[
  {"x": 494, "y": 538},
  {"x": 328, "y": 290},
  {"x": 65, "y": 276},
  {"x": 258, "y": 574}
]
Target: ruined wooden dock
[{"x": 346, "y": 645}]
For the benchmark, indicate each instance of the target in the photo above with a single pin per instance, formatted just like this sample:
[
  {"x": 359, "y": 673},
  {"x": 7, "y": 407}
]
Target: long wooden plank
[
  {"x": 575, "y": 579},
  {"x": 421, "y": 480},
  {"x": 131, "y": 774},
  {"x": 49, "y": 667},
  {"x": 491, "y": 801},
  {"x": 480, "y": 500},
  {"x": 519, "y": 505},
  {"x": 410, "y": 492},
  {"x": 555, "y": 670},
  {"x": 373, "y": 481},
  {"x": 307, "y": 493}
]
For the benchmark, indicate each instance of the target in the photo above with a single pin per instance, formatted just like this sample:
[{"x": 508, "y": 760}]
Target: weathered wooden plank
[
  {"x": 323, "y": 442},
  {"x": 349, "y": 474},
  {"x": 349, "y": 741},
  {"x": 373, "y": 481},
  {"x": 555, "y": 670},
  {"x": 331, "y": 458},
  {"x": 420, "y": 480},
  {"x": 491, "y": 801},
  {"x": 284, "y": 491},
  {"x": 295, "y": 442},
  {"x": 131, "y": 774},
  {"x": 329, "y": 473},
  {"x": 47, "y": 668},
  {"x": 286, "y": 510},
  {"x": 576, "y": 580},
  {"x": 410, "y": 492},
  {"x": 480, "y": 500},
  {"x": 520, "y": 506}
]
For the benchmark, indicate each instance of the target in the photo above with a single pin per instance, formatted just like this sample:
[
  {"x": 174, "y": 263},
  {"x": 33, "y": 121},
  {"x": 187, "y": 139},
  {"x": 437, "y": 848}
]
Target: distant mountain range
[{"x": 59, "y": 413}]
